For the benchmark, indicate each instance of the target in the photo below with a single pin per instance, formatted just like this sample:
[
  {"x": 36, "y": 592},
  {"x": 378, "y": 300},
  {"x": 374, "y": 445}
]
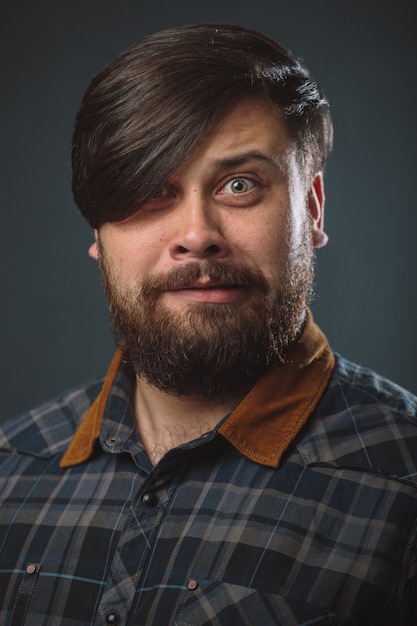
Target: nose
[{"x": 198, "y": 232}]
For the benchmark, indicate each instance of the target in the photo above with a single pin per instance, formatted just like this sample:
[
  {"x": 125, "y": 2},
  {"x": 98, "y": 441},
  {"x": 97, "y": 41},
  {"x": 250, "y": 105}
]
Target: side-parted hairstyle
[{"x": 145, "y": 113}]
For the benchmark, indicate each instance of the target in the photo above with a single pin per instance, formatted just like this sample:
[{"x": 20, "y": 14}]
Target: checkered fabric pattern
[{"x": 207, "y": 536}]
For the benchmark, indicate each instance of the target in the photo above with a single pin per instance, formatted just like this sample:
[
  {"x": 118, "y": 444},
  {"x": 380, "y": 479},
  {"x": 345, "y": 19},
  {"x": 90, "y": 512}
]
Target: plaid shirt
[{"x": 209, "y": 536}]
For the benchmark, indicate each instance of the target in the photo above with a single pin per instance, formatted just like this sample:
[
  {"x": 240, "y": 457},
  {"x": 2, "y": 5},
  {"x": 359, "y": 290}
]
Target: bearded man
[{"x": 230, "y": 468}]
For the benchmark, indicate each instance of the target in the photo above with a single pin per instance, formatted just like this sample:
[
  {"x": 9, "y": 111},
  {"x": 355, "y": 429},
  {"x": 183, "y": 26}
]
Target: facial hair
[{"x": 213, "y": 351}]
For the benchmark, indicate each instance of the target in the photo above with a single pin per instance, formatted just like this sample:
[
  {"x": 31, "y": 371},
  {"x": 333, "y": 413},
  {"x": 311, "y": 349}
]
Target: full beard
[{"x": 212, "y": 351}]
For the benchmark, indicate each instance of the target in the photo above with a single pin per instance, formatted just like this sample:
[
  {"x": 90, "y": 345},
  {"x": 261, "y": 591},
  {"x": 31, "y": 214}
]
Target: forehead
[{"x": 251, "y": 126}]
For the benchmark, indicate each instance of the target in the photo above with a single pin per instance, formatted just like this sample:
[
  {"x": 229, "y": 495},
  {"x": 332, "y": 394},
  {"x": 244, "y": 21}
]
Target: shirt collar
[{"x": 266, "y": 421}]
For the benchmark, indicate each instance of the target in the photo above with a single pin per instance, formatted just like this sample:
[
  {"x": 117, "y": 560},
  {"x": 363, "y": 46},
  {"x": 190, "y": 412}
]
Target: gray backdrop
[{"x": 54, "y": 326}]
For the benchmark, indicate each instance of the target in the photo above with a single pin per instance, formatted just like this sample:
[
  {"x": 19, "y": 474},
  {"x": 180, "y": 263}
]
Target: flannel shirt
[{"x": 222, "y": 531}]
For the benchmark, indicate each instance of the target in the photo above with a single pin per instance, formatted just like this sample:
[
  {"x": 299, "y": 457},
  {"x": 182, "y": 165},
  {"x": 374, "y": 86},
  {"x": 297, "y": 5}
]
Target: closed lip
[
  {"x": 207, "y": 284},
  {"x": 210, "y": 292}
]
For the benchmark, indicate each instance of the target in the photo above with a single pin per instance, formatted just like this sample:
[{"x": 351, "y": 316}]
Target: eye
[
  {"x": 163, "y": 192},
  {"x": 161, "y": 199},
  {"x": 238, "y": 186}
]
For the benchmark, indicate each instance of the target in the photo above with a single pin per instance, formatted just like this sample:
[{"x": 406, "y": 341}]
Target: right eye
[{"x": 160, "y": 200}]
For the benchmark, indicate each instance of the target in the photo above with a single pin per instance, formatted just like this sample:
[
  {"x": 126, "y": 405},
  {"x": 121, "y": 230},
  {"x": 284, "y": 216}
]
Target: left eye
[{"x": 238, "y": 185}]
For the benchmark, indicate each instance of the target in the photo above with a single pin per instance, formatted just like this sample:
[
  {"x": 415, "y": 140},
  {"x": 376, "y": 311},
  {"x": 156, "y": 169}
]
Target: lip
[
  {"x": 209, "y": 292},
  {"x": 203, "y": 283}
]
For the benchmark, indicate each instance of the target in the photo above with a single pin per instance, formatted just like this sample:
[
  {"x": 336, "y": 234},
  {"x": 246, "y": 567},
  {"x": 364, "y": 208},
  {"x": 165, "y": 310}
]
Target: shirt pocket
[
  {"x": 24, "y": 594},
  {"x": 209, "y": 603}
]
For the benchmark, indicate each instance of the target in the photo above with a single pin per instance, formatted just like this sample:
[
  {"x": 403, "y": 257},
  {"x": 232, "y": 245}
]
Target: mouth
[
  {"x": 211, "y": 292},
  {"x": 208, "y": 284}
]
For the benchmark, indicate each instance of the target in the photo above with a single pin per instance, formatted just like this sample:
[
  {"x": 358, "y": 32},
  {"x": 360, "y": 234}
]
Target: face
[{"x": 218, "y": 265}]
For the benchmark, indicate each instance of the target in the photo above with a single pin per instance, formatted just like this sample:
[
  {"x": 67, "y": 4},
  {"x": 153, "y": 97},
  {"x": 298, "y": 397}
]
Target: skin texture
[{"x": 241, "y": 199}]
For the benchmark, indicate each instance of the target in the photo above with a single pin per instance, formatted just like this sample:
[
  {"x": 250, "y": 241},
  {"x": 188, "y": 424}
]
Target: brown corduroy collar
[{"x": 266, "y": 421}]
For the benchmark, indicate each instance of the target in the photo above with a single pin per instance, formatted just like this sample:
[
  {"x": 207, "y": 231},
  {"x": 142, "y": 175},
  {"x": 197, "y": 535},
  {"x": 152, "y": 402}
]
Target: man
[{"x": 229, "y": 469}]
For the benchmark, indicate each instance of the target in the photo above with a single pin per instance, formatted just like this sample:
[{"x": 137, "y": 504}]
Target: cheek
[
  {"x": 266, "y": 243},
  {"x": 130, "y": 252}
]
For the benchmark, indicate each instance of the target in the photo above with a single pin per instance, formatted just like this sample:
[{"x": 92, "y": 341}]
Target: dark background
[{"x": 54, "y": 326}]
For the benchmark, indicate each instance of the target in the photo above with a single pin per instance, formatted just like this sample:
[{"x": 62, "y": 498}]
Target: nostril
[{"x": 213, "y": 248}]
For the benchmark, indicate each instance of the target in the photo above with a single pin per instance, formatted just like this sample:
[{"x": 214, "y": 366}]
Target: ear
[
  {"x": 93, "y": 249},
  {"x": 315, "y": 200}
]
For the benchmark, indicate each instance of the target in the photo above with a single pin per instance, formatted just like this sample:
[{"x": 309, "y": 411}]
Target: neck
[{"x": 166, "y": 421}]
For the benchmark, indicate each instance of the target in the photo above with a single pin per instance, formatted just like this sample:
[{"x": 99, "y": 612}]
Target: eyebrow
[{"x": 252, "y": 155}]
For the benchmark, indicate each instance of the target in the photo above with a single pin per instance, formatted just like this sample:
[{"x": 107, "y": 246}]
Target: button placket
[{"x": 136, "y": 542}]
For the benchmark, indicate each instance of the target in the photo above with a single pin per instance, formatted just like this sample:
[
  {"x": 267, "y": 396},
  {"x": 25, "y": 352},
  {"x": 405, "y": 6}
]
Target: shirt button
[
  {"x": 150, "y": 500},
  {"x": 112, "y": 441},
  {"x": 31, "y": 569},
  {"x": 192, "y": 584},
  {"x": 112, "y": 618}
]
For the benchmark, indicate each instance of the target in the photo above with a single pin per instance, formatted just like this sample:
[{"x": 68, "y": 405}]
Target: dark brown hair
[{"x": 144, "y": 114}]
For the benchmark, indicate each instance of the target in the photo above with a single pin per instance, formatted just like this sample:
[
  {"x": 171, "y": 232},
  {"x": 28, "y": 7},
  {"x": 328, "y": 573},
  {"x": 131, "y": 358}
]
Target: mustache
[{"x": 219, "y": 272}]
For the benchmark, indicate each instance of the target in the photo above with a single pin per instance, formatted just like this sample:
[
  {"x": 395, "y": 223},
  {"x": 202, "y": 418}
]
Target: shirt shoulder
[
  {"x": 363, "y": 421},
  {"x": 359, "y": 380},
  {"x": 48, "y": 429}
]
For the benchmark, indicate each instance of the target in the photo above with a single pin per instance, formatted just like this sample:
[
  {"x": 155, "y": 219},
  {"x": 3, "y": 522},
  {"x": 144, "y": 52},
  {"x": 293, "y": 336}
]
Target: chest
[{"x": 202, "y": 537}]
